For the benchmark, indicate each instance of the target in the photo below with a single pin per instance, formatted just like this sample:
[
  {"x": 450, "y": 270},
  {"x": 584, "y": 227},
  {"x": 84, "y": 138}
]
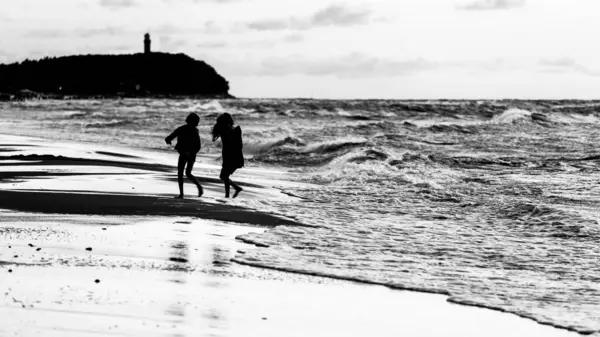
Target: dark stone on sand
[
  {"x": 89, "y": 249},
  {"x": 220, "y": 263},
  {"x": 178, "y": 259},
  {"x": 16, "y": 256},
  {"x": 97, "y": 281},
  {"x": 38, "y": 249},
  {"x": 10, "y": 270},
  {"x": 30, "y": 245},
  {"x": 104, "y": 228}
]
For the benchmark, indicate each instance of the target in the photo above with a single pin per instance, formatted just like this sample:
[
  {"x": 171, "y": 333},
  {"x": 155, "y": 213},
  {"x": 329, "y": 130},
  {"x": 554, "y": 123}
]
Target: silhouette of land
[{"x": 128, "y": 75}]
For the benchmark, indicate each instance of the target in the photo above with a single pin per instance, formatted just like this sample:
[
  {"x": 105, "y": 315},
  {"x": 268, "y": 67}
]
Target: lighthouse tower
[{"x": 147, "y": 43}]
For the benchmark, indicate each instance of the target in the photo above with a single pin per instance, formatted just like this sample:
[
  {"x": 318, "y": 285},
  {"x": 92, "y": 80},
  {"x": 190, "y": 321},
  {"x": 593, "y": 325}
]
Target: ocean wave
[
  {"x": 335, "y": 145},
  {"x": 109, "y": 124},
  {"x": 288, "y": 152},
  {"x": 545, "y": 220},
  {"x": 447, "y": 128},
  {"x": 73, "y": 114},
  {"x": 211, "y": 106},
  {"x": 258, "y": 147}
]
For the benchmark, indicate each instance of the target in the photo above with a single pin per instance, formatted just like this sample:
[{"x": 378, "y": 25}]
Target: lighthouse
[{"x": 147, "y": 44}]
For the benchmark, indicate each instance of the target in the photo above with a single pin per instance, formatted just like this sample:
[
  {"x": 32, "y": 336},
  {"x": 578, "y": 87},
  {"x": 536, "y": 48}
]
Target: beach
[{"x": 92, "y": 242}]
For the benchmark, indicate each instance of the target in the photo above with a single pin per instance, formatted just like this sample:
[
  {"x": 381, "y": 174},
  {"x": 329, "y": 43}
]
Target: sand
[{"x": 92, "y": 243}]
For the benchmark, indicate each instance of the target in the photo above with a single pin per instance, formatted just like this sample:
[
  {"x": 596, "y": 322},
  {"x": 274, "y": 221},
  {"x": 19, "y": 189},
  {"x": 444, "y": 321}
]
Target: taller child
[
  {"x": 188, "y": 145},
  {"x": 233, "y": 158}
]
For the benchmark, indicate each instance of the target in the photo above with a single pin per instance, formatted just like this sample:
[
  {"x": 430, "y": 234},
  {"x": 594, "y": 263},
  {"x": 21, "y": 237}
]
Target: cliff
[{"x": 134, "y": 75}]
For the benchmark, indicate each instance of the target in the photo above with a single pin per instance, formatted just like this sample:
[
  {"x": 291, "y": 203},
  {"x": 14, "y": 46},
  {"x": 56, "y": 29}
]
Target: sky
[{"x": 392, "y": 49}]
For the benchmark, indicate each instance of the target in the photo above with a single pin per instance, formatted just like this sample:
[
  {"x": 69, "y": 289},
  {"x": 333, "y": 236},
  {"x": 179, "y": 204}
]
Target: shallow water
[{"x": 494, "y": 203}]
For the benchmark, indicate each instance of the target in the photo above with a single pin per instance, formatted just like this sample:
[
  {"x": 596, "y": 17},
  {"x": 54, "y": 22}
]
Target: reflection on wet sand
[
  {"x": 179, "y": 254},
  {"x": 214, "y": 313},
  {"x": 216, "y": 259}
]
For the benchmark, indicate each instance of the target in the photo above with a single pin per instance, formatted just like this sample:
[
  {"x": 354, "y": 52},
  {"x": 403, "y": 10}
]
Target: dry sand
[{"x": 92, "y": 242}]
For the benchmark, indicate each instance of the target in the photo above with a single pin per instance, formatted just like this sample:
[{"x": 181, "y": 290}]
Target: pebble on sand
[
  {"x": 97, "y": 281},
  {"x": 89, "y": 249}
]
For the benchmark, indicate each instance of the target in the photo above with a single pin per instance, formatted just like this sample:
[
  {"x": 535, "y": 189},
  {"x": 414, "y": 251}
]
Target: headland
[{"x": 152, "y": 74}]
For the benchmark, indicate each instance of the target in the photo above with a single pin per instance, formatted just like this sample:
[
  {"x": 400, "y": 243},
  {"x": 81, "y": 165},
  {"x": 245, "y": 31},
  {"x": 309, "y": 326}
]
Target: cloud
[
  {"x": 209, "y": 27},
  {"x": 479, "y": 5},
  {"x": 199, "y": 1},
  {"x": 110, "y": 31},
  {"x": 4, "y": 18},
  {"x": 117, "y": 4},
  {"x": 351, "y": 65},
  {"x": 212, "y": 45},
  {"x": 337, "y": 15},
  {"x": 293, "y": 38},
  {"x": 80, "y": 32},
  {"x": 168, "y": 43},
  {"x": 334, "y": 15},
  {"x": 6, "y": 57},
  {"x": 124, "y": 47},
  {"x": 257, "y": 43},
  {"x": 270, "y": 25},
  {"x": 562, "y": 65}
]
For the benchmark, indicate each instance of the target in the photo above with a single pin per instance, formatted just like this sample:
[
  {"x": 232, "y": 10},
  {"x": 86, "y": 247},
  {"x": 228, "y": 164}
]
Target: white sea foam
[{"x": 511, "y": 115}]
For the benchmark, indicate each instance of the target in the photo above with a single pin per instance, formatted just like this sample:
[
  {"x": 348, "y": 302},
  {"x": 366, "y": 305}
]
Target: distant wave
[
  {"x": 73, "y": 114},
  {"x": 109, "y": 124},
  {"x": 212, "y": 106},
  {"x": 511, "y": 115},
  {"x": 334, "y": 146}
]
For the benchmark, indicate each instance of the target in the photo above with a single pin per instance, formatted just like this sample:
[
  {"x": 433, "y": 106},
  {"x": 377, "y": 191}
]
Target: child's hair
[
  {"x": 193, "y": 119},
  {"x": 223, "y": 121}
]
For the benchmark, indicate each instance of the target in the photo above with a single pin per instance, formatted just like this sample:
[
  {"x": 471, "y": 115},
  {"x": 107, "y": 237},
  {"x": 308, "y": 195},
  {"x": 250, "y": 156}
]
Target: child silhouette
[
  {"x": 233, "y": 158},
  {"x": 188, "y": 145}
]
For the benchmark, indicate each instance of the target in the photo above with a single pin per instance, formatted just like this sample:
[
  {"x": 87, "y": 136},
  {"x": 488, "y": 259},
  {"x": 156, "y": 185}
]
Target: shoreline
[{"x": 163, "y": 246}]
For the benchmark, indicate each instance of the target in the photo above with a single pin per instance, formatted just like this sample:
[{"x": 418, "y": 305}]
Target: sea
[{"x": 495, "y": 203}]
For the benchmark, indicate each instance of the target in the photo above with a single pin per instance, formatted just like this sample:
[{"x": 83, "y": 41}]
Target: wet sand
[{"x": 93, "y": 243}]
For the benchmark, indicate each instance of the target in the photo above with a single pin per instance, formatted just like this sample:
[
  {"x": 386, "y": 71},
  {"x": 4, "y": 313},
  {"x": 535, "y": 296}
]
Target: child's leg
[
  {"x": 237, "y": 188},
  {"x": 188, "y": 173},
  {"x": 225, "y": 177},
  {"x": 180, "y": 167}
]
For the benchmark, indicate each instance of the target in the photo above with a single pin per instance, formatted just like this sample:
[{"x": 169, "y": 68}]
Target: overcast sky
[{"x": 336, "y": 49}]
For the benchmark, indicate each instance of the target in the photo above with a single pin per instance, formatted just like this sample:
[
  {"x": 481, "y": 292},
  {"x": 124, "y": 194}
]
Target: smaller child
[
  {"x": 188, "y": 145},
  {"x": 233, "y": 158}
]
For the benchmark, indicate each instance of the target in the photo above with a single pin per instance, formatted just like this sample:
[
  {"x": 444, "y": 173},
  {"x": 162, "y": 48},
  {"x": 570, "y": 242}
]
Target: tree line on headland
[{"x": 106, "y": 76}]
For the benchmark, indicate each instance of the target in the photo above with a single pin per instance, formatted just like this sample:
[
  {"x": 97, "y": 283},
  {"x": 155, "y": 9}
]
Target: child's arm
[
  {"x": 238, "y": 131},
  {"x": 172, "y": 136}
]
